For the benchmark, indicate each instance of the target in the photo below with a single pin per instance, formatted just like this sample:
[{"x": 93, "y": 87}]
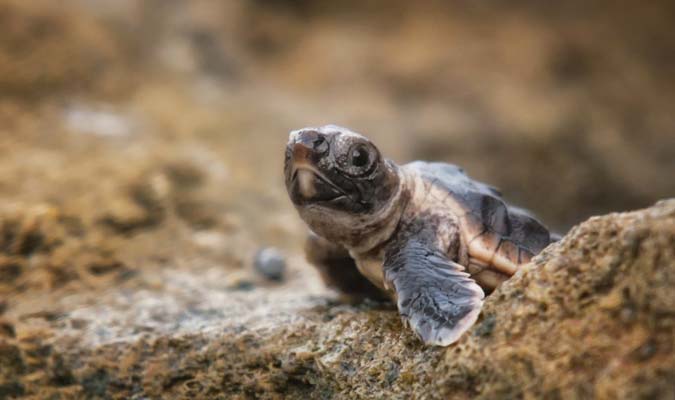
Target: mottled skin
[{"x": 424, "y": 234}]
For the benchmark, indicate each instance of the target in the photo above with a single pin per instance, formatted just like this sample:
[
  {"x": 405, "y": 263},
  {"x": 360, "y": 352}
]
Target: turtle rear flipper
[{"x": 434, "y": 295}]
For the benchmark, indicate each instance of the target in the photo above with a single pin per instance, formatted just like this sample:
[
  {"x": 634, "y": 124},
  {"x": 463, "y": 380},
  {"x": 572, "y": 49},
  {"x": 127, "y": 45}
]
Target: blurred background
[{"x": 156, "y": 128}]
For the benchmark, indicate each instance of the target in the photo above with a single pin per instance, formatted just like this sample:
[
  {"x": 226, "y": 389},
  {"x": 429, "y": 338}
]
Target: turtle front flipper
[
  {"x": 434, "y": 295},
  {"x": 338, "y": 270}
]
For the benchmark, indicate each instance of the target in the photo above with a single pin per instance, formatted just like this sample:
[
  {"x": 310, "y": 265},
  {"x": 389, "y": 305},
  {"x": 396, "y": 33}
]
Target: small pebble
[{"x": 270, "y": 263}]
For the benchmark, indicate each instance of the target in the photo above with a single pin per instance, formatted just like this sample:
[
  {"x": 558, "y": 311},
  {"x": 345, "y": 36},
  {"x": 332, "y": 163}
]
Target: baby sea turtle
[{"x": 424, "y": 234}]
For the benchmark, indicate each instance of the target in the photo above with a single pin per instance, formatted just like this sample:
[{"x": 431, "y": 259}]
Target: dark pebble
[{"x": 270, "y": 263}]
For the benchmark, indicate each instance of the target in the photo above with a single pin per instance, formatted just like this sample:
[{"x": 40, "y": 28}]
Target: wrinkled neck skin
[{"x": 360, "y": 233}]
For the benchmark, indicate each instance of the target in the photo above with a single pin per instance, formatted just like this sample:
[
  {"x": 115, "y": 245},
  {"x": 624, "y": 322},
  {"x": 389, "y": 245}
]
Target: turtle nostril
[
  {"x": 313, "y": 140},
  {"x": 320, "y": 144}
]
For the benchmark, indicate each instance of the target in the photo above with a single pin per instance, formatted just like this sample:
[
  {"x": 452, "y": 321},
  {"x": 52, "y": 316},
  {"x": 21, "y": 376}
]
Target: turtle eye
[{"x": 359, "y": 156}]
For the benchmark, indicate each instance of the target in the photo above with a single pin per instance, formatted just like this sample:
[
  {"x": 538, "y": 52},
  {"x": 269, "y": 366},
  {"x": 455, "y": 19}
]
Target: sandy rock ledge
[{"x": 592, "y": 317}]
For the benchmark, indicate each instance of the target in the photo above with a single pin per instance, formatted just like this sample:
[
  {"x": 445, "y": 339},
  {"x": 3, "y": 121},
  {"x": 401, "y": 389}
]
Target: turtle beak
[
  {"x": 306, "y": 148},
  {"x": 305, "y": 182},
  {"x": 307, "y": 144},
  {"x": 302, "y": 156}
]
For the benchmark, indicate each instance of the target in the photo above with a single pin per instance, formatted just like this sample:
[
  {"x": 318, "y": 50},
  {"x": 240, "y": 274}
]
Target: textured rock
[
  {"x": 43, "y": 249},
  {"x": 592, "y": 316}
]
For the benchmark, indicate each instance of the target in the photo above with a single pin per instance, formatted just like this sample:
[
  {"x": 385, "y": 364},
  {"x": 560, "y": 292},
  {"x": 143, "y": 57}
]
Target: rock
[
  {"x": 43, "y": 249},
  {"x": 590, "y": 317},
  {"x": 46, "y": 50},
  {"x": 270, "y": 263}
]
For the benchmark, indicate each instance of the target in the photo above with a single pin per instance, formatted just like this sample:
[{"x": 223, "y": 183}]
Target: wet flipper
[{"x": 434, "y": 295}]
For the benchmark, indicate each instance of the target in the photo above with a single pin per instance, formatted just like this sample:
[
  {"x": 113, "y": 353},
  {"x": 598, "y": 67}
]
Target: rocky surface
[{"x": 591, "y": 317}]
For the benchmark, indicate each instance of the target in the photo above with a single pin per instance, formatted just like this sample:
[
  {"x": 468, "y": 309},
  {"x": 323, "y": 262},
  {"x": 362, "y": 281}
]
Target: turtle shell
[{"x": 496, "y": 234}]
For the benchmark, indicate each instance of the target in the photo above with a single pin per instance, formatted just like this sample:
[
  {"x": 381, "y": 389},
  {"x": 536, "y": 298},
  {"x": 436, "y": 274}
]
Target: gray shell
[{"x": 496, "y": 233}]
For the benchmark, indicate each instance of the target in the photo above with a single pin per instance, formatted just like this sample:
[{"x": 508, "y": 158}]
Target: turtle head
[{"x": 338, "y": 180}]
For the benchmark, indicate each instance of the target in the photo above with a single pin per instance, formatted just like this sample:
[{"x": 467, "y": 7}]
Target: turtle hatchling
[{"x": 423, "y": 234}]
